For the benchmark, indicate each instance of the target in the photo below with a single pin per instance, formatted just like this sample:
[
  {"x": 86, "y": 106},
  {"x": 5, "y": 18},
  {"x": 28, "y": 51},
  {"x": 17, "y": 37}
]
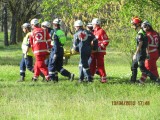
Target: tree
[
  {"x": 6, "y": 43},
  {"x": 21, "y": 11}
]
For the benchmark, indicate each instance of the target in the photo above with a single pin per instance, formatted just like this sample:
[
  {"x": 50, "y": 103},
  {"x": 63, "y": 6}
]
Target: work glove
[
  {"x": 134, "y": 57},
  {"x": 54, "y": 56}
]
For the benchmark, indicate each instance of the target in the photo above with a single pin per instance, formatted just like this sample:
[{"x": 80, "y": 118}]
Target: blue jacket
[{"x": 84, "y": 41}]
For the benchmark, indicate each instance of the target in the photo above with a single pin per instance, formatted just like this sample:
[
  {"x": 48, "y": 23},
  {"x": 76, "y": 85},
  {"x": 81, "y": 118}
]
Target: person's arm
[
  {"x": 75, "y": 46},
  {"x": 140, "y": 40},
  {"x": 105, "y": 40},
  {"x": 139, "y": 47},
  {"x": 94, "y": 43},
  {"x": 31, "y": 41},
  {"x": 56, "y": 45}
]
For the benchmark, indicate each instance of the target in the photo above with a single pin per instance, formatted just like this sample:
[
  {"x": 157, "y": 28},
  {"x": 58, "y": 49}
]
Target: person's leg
[
  {"x": 101, "y": 68},
  {"x": 42, "y": 66},
  {"x": 86, "y": 70},
  {"x": 52, "y": 67},
  {"x": 62, "y": 70},
  {"x": 29, "y": 63},
  {"x": 22, "y": 69},
  {"x": 134, "y": 71},
  {"x": 145, "y": 71},
  {"x": 93, "y": 63}
]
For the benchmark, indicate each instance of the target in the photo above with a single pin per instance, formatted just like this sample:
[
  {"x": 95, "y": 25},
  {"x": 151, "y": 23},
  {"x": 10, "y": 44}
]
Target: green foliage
[{"x": 115, "y": 16}]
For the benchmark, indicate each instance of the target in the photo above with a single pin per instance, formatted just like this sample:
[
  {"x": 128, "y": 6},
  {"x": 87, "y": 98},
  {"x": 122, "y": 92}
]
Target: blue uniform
[
  {"x": 83, "y": 44},
  {"x": 26, "y": 62},
  {"x": 56, "y": 59},
  {"x": 51, "y": 32}
]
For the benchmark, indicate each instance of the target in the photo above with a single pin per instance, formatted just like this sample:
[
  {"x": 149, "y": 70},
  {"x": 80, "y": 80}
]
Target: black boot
[
  {"x": 21, "y": 79},
  {"x": 133, "y": 79},
  {"x": 34, "y": 79}
]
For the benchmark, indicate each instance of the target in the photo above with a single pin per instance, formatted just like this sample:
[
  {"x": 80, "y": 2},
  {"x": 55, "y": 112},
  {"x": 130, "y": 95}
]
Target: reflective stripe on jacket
[{"x": 40, "y": 41}]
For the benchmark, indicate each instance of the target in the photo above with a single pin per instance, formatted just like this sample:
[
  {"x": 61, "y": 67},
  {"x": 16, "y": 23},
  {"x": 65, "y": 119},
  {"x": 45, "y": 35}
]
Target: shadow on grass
[{"x": 9, "y": 60}]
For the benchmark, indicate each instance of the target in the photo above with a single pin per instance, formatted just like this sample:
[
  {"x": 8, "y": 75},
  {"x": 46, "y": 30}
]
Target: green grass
[{"x": 72, "y": 101}]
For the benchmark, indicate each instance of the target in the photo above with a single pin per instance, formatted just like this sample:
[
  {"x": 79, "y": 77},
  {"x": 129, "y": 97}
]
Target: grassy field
[{"x": 115, "y": 100}]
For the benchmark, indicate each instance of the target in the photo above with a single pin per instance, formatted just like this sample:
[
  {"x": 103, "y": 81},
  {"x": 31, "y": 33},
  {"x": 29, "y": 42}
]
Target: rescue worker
[
  {"x": 140, "y": 54},
  {"x": 47, "y": 26},
  {"x": 57, "y": 53},
  {"x": 98, "y": 57},
  {"x": 41, "y": 43},
  {"x": 90, "y": 28},
  {"x": 84, "y": 42},
  {"x": 27, "y": 56},
  {"x": 152, "y": 52}
]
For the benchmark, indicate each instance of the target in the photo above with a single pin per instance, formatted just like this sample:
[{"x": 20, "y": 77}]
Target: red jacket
[
  {"x": 102, "y": 38},
  {"x": 39, "y": 43},
  {"x": 153, "y": 41}
]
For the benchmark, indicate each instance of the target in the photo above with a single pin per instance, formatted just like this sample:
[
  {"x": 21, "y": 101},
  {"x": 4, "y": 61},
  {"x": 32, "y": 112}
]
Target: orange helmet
[{"x": 136, "y": 20}]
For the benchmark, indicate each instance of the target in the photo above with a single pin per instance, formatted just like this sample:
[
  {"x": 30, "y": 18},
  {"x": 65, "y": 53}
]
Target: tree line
[{"x": 115, "y": 16}]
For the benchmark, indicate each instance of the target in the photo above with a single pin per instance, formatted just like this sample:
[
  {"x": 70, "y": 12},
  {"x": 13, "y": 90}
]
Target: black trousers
[{"x": 140, "y": 62}]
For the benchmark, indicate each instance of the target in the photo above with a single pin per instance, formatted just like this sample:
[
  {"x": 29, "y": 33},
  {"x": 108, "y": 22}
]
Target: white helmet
[
  {"x": 34, "y": 21},
  {"x": 96, "y": 21},
  {"x": 78, "y": 23},
  {"x": 25, "y": 25},
  {"x": 146, "y": 23},
  {"x": 46, "y": 24},
  {"x": 57, "y": 21}
]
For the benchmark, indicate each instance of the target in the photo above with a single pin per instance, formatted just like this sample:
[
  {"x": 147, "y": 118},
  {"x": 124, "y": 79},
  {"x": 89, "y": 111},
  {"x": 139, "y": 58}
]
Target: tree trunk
[
  {"x": 6, "y": 43},
  {"x": 19, "y": 32},
  {"x": 13, "y": 30},
  {"x": 2, "y": 18}
]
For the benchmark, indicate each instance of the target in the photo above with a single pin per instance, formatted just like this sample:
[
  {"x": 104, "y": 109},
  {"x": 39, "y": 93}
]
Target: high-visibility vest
[
  {"x": 24, "y": 45},
  {"x": 61, "y": 36}
]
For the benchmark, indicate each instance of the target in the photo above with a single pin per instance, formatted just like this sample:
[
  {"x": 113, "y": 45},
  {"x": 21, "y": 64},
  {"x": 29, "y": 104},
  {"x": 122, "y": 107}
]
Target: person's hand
[
  {"x": 134, "y": 56},
  {"x": 148, "y": 57},
  {"x": 73, "y": 52},
  {"x": 54, "y": 56}
]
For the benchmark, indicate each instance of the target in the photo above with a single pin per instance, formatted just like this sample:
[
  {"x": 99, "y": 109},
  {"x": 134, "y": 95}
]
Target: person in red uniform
[
  {"x": 40, "y": 43},
  {"x": 98, "y": 57},
  {"x": 153, "y": 50}
]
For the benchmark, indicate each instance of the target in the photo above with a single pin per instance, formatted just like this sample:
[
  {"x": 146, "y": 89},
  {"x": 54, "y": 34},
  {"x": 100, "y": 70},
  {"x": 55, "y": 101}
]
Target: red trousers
[
  {"x": 151, "y": 65},
  {"x": 40, "y": 66},
  {"x": 97, "y": 62}
]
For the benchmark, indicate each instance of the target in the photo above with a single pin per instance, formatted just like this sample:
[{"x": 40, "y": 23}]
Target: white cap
[
  {"x": 96, "y": 21},
  {"x": 57, "y": 21},
  {"x": 46, "y": 24},
  {"x": 78, "y": 23},
  {"x": 34, "y": 21},
  {"x": 25, "y": 25}
]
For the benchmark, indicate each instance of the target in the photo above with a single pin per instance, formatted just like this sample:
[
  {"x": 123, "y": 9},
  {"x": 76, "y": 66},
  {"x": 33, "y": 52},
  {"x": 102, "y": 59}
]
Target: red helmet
[{"x": 136, "y": 20}]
